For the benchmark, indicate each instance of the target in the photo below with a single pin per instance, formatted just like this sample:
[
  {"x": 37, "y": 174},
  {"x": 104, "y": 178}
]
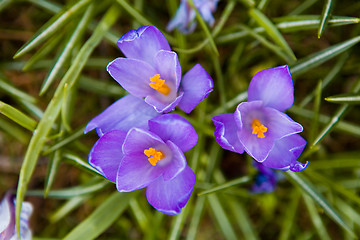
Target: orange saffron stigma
[
  {"x": 159, "y": 85},
  {"x": 258, "y": 128},
  {"x": 156, "y": 155}
]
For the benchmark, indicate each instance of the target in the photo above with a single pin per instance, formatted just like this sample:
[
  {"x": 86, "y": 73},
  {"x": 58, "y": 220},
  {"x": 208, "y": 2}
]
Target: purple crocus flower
[
  {"x": 259, "y": 127},
  {"x": 184, "y": 19},
  {"x": 152, "y": 158},
  {"x": 7, "y": 219},
  {"x": 125, "y": 113},
  {"x": 265, "y": 180},
  {"x": 153, "y": 71}
]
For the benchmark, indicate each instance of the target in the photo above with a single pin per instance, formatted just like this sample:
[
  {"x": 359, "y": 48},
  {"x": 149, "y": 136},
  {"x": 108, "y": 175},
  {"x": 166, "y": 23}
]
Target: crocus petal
[
  {"x": 285, "y": 152},
  {"x": 168, "y": 65},
  {"x": 278, "y": 125},
  {"x": 26, "y": 211},
  {"x": 175, "y": 165},
  {"x": 274, "y": 87},
  {"x": 182, "y": 19},
  {"x": 170, "y": 196},
  {"x": 163, "y": 105},
  {"x": 206, "y": 8},
  {"x": 196, "y": 85},
  {"x": 175, "y": 128},
  {"x": 226, "y": 132},
  {"x": 133, "y": 75},
  {"x": 5, "y": 212},
  {"x": 136, "y": 172},
  {"x": 124, "y": 114},
  {"x": 143, "y": 43},
  {"x": 137, "y": 140},
  {"x": 106, "y": 154}
]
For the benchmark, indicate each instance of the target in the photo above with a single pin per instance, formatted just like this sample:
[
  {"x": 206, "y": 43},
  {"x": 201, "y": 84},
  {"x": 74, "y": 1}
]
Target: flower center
[
  {"x": 258, "y": 128},
  {"x": 159, "y": 85},
  {"x": 155, "y": 155}
]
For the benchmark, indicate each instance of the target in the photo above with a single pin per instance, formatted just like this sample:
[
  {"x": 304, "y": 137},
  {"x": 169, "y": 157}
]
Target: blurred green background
[{"x": 58, "y": 82}]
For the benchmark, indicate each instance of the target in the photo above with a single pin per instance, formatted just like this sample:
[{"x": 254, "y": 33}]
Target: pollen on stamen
[
  {"x": 258, "y": 128},
  {"x": 159, "y": 84},
  {"x": 153, "y": 155}
]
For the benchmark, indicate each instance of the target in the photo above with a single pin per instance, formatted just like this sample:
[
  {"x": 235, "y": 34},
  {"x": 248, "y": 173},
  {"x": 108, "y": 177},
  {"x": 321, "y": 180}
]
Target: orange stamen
[
  {"x": 258, "y": 128},
  {"x": 159, "y": 85},
  {"x": 155, "y": 155}
]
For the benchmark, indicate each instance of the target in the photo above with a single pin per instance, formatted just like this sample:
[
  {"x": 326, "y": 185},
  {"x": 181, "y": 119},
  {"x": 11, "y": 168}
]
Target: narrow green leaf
[
  {"x": 231, "y": 183},
  {"x": 271, "y": 30},
  {"x": 315, "y": 121},
  {"x": 52, "y": 26},
  {"x": 74, "y": 135},
  {"x": 43, "y": 51},
  {"x": 101, "y": 87},
  {"x": 15, "y": 93},
  {"x": 289, "y": 216},
  {"x": 53, "y": 167},
  {"x": 221, "y": 217},
  {"x": 274, "y": 48},
  {"x": 334, "y": 186},
  {"x": 92, "y": 186},
  {"x": 178, "y": 223},
  {"x": 344, "y": 98},
  {"x": 205, "y": 29},
  {"x": 195, "y": 219},
  {"x": 300, "y": 181},
  {"x": 315, "y": 218},
  {"x": 303, "y": 7},
  {"x": 141, "y": 218},
  {"x": 52, "y": 111},
  {"x": 17, "y": 116},
  {"x": 344, "y": 126},
  {"x": 336, "y": 118},
  {"x": 14, "y": 131},
  {"x": 322, "y": 56},
  {"x": 328, "y": 78},
  {"x": 102, "y": 217},
  {"x": 68, "y": 207},
  {"x": 242, "y": 218},
  {"x": 74, "y": 39},
  {"x": 79, "y": 161},
  {"x": 291, "y": 24},
  {"x": 326, "y": 12}
]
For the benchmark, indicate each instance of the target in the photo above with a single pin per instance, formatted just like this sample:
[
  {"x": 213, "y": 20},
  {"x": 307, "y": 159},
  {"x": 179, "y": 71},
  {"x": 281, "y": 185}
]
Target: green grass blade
[
  {"x": 195, "y": 219},
  {"x": 289, "y": 216},
  {"x": 322, "y": 56},
  {"x": 15, "y": 93},
  {"x": 111, "y": 89},
  {"x": 205, "y": 29},
  {"x": 303, "y": 7},
  {"x": 52, "y": 111},
  {"x": 74, "y": 39},
  {"x": 53, "y": 167},
  {"x": 326, "y": 12},
  {"x": 52, "y": 26},
  {"x": 242, "y": 219},
  {"x": 140, "y": 216},
  {"x": 315, "y": 218},
  {"x": 344, "y": 98},
  {"x": 92, "y": 186},
  {"x": 274, "y": 48},
  {"x": 221, "y": 217},
  {"x": 79, "y": 161},
  {"x": 102, "y": 217},
  {"x": 271, "y": 30},
  {"x": 315, "y": 121},
  {"x": 74, "y": 135},
  {"x": 43, "y": 51},
  {"x": 336, "y": 118},
  {"x": 14, "y": 131},
  {"x": 68, "y": 207},
  {"x": 300, "y": 181},
  {"x": 328, "y": 78},
  {"x": 17, "y": 116},
  {"x": 231, "y": 183}
]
